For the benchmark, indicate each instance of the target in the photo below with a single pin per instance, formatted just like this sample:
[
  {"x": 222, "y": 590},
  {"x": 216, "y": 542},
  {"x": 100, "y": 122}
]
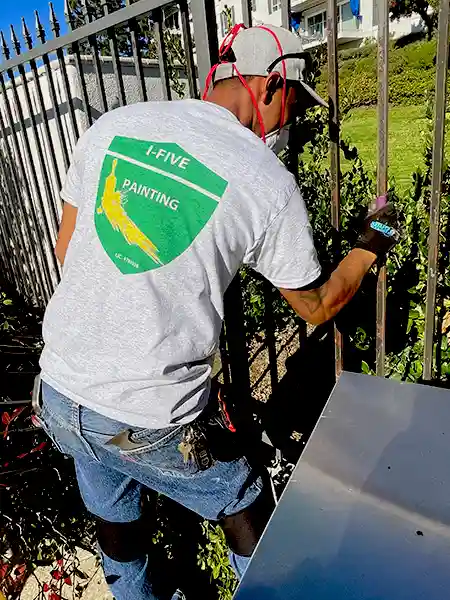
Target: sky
[{"x": 12, "y": 10}]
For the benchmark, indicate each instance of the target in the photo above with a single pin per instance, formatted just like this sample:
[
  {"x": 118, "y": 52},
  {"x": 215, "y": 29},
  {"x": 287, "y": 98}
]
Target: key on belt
[{"x": 194, "y": 446}]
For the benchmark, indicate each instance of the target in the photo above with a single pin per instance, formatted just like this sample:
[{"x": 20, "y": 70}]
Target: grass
[{"x": 406, "y": 142}]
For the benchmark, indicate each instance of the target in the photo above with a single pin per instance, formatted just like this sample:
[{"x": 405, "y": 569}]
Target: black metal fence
[
  {"x": 51, "y": 90},
  {"x": 54, "y": 87}
]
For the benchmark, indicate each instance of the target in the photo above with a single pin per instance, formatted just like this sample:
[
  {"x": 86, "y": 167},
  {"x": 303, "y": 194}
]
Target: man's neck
[{"x": 231, "y": 103}]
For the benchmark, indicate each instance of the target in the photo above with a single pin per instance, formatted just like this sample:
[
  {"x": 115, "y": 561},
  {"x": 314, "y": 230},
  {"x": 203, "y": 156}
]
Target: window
[
  {"x": 227, "y": 19},
  {"x": 345, "y": 13},
  {"x": 316, "y": 24},
  {"x": 172, "y": 21},
  {"x": 346, "y": 19},
  {"x": 274, "y": 5}
]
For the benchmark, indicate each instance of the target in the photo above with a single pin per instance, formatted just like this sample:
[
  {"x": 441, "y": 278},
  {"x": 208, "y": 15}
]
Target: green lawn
[{"x": 406, "y": 142}]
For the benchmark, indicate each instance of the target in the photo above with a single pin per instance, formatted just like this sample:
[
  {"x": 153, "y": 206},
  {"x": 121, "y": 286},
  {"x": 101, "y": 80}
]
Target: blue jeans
[{"x": 111, "y": 481}]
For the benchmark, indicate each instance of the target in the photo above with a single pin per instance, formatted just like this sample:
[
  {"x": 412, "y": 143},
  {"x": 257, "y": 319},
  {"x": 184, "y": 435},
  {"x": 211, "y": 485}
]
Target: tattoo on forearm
[{"x": 312, "y": 299}]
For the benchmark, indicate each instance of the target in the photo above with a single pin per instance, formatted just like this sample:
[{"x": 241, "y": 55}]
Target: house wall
[{"x": 365, "y": 27}]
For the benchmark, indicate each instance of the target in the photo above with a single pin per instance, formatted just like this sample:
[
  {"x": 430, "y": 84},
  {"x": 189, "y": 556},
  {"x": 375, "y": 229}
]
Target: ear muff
[
  {"x": 283, "y": 71},
  {"x": 273, "y": 85}
]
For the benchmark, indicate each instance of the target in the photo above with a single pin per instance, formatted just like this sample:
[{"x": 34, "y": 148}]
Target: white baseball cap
[{"x": 255, "y": 51}]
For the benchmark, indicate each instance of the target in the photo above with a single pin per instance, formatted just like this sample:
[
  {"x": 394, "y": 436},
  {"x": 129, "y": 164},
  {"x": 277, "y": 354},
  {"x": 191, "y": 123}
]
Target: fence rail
[
  {"x": 54, "y": 90},
  {"x": 49, "y": 94}
]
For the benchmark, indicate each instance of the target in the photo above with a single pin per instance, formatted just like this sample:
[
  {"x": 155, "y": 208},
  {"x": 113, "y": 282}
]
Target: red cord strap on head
[
  {"x": 254, "y": 102},
  {"x": 224, "y": 49},
  {"x": 283, "y": 71},
  {"x": 229, "y": 39}
]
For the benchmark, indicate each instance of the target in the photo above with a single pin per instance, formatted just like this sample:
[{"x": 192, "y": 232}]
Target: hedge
[{"x": 411, "y": 75}]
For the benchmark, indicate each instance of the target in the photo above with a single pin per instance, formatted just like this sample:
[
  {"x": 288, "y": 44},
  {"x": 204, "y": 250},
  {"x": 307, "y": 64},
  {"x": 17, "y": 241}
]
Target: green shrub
[
  {"x": 406, "y": 265},
  {"x": 411, "y": 75},
  {"x": 213, "y": 557}
]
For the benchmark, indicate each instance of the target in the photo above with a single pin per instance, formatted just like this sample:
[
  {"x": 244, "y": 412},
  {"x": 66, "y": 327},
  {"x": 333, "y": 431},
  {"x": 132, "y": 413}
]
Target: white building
[{"x": 311, "y": 16}]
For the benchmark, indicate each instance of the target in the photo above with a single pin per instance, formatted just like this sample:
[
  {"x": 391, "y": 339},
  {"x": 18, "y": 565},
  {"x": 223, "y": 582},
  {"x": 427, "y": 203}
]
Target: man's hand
[
  {"x": 380, "y": 232},
  {"x": 322, "y": 303}
]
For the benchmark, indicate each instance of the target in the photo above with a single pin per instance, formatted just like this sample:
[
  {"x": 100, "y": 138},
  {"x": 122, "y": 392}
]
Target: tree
[
  {"x": 80, "y": 10},
  {"x": 405, "y": 8},
  {"x": 93, "y": 7},
  {"x": 83, "y": 10}
]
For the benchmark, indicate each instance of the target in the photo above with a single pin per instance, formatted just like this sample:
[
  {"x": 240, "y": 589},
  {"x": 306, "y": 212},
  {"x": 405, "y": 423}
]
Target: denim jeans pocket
[
  {"x": 160, "y": 449},
  {"x": 40, "y": 422},
  {"x": 147, "y": 440},
  {"x": 67, "y": 440}
]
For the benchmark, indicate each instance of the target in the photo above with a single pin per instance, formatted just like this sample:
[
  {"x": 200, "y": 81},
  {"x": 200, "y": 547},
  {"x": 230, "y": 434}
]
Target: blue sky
[{"x": 12, "y": 10}]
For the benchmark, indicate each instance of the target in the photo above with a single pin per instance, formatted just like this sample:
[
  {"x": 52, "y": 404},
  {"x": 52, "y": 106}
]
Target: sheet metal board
[{"x": 366, "y": 514}]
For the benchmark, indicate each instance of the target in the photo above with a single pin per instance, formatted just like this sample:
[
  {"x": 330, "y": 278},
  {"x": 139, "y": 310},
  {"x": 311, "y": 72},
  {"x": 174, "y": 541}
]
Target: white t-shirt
[{"x": 172, "y": 197}]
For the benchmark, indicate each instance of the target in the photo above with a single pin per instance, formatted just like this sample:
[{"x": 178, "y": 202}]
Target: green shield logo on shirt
[{"x": 153, "y": 200}]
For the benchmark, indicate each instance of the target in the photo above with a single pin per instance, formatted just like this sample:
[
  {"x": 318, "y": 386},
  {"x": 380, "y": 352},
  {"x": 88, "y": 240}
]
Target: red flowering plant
[{"x": 42, "y": 520}]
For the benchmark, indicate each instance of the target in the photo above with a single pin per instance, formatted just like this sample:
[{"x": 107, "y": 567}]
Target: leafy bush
[
  {"x": 411, "y": 75},
  {"x": 406, "y": 265},
  {"x": 43, "y": 521},
  {"x": 213, "y": 556}
]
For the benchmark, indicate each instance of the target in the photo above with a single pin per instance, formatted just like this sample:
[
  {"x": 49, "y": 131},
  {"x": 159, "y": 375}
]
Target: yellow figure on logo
[{"x": 111, "y": 206}]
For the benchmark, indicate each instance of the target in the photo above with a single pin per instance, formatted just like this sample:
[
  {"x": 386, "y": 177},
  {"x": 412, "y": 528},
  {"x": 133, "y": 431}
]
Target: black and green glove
[{"x": 381, "y": 231}]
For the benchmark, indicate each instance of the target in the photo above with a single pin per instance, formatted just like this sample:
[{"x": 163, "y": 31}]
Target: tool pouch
[{"x": 225, "y": 442}]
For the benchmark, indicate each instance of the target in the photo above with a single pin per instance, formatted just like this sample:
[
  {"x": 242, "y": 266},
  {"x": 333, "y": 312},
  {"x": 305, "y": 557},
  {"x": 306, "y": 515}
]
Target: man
[{"x": 164, "y": 202}]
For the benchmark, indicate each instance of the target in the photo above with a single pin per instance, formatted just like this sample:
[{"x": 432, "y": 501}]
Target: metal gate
[{"x": 55, "y": 89}]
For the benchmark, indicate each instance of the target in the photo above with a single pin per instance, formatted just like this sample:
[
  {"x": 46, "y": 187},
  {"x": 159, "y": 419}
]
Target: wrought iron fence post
[
  {"x": 54, "y": 23},
  {"x": 92, "y": 39},
  {"x": 286, "y": 14},
  {"x": 40, "y": 34},
  {"x": 79, "y": 65},
  {"x": 436, "y": 185},
  {"x": 52, "y": 219},
  {"x": 246, "y": 6},
  {"x": 205, "y": 36},
  {"x": 333, "y": 101},
  {"x": 236, "y": 342},
  {"x": 137, "y": 58},
  {"x": 114, "y": 50},
  {"x": 42, "y": 108},
  {"x": 12, "y": 180},
  {"x": 270, "y": 340},
  {"x": 188, "y": 48},
  {"x": 157, "y": 16},
  {"x": 35, "y": 205},
  {"x": 382, "y": 180}
]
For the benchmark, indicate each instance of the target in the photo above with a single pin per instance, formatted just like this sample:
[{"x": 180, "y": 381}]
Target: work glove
[{"x": 380, "y": 232}]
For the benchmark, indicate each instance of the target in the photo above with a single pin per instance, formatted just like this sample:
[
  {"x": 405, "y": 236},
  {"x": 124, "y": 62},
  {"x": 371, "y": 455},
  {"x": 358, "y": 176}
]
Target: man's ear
[{"x": 273, "y": 82}]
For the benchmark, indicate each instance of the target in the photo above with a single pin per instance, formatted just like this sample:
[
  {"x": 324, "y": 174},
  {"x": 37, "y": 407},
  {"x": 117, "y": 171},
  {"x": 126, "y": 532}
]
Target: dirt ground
[{"x": 94, "y": 587}]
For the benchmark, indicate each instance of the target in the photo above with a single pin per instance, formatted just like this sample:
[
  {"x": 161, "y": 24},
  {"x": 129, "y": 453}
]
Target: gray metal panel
[{"x": 366, "y": 514}]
